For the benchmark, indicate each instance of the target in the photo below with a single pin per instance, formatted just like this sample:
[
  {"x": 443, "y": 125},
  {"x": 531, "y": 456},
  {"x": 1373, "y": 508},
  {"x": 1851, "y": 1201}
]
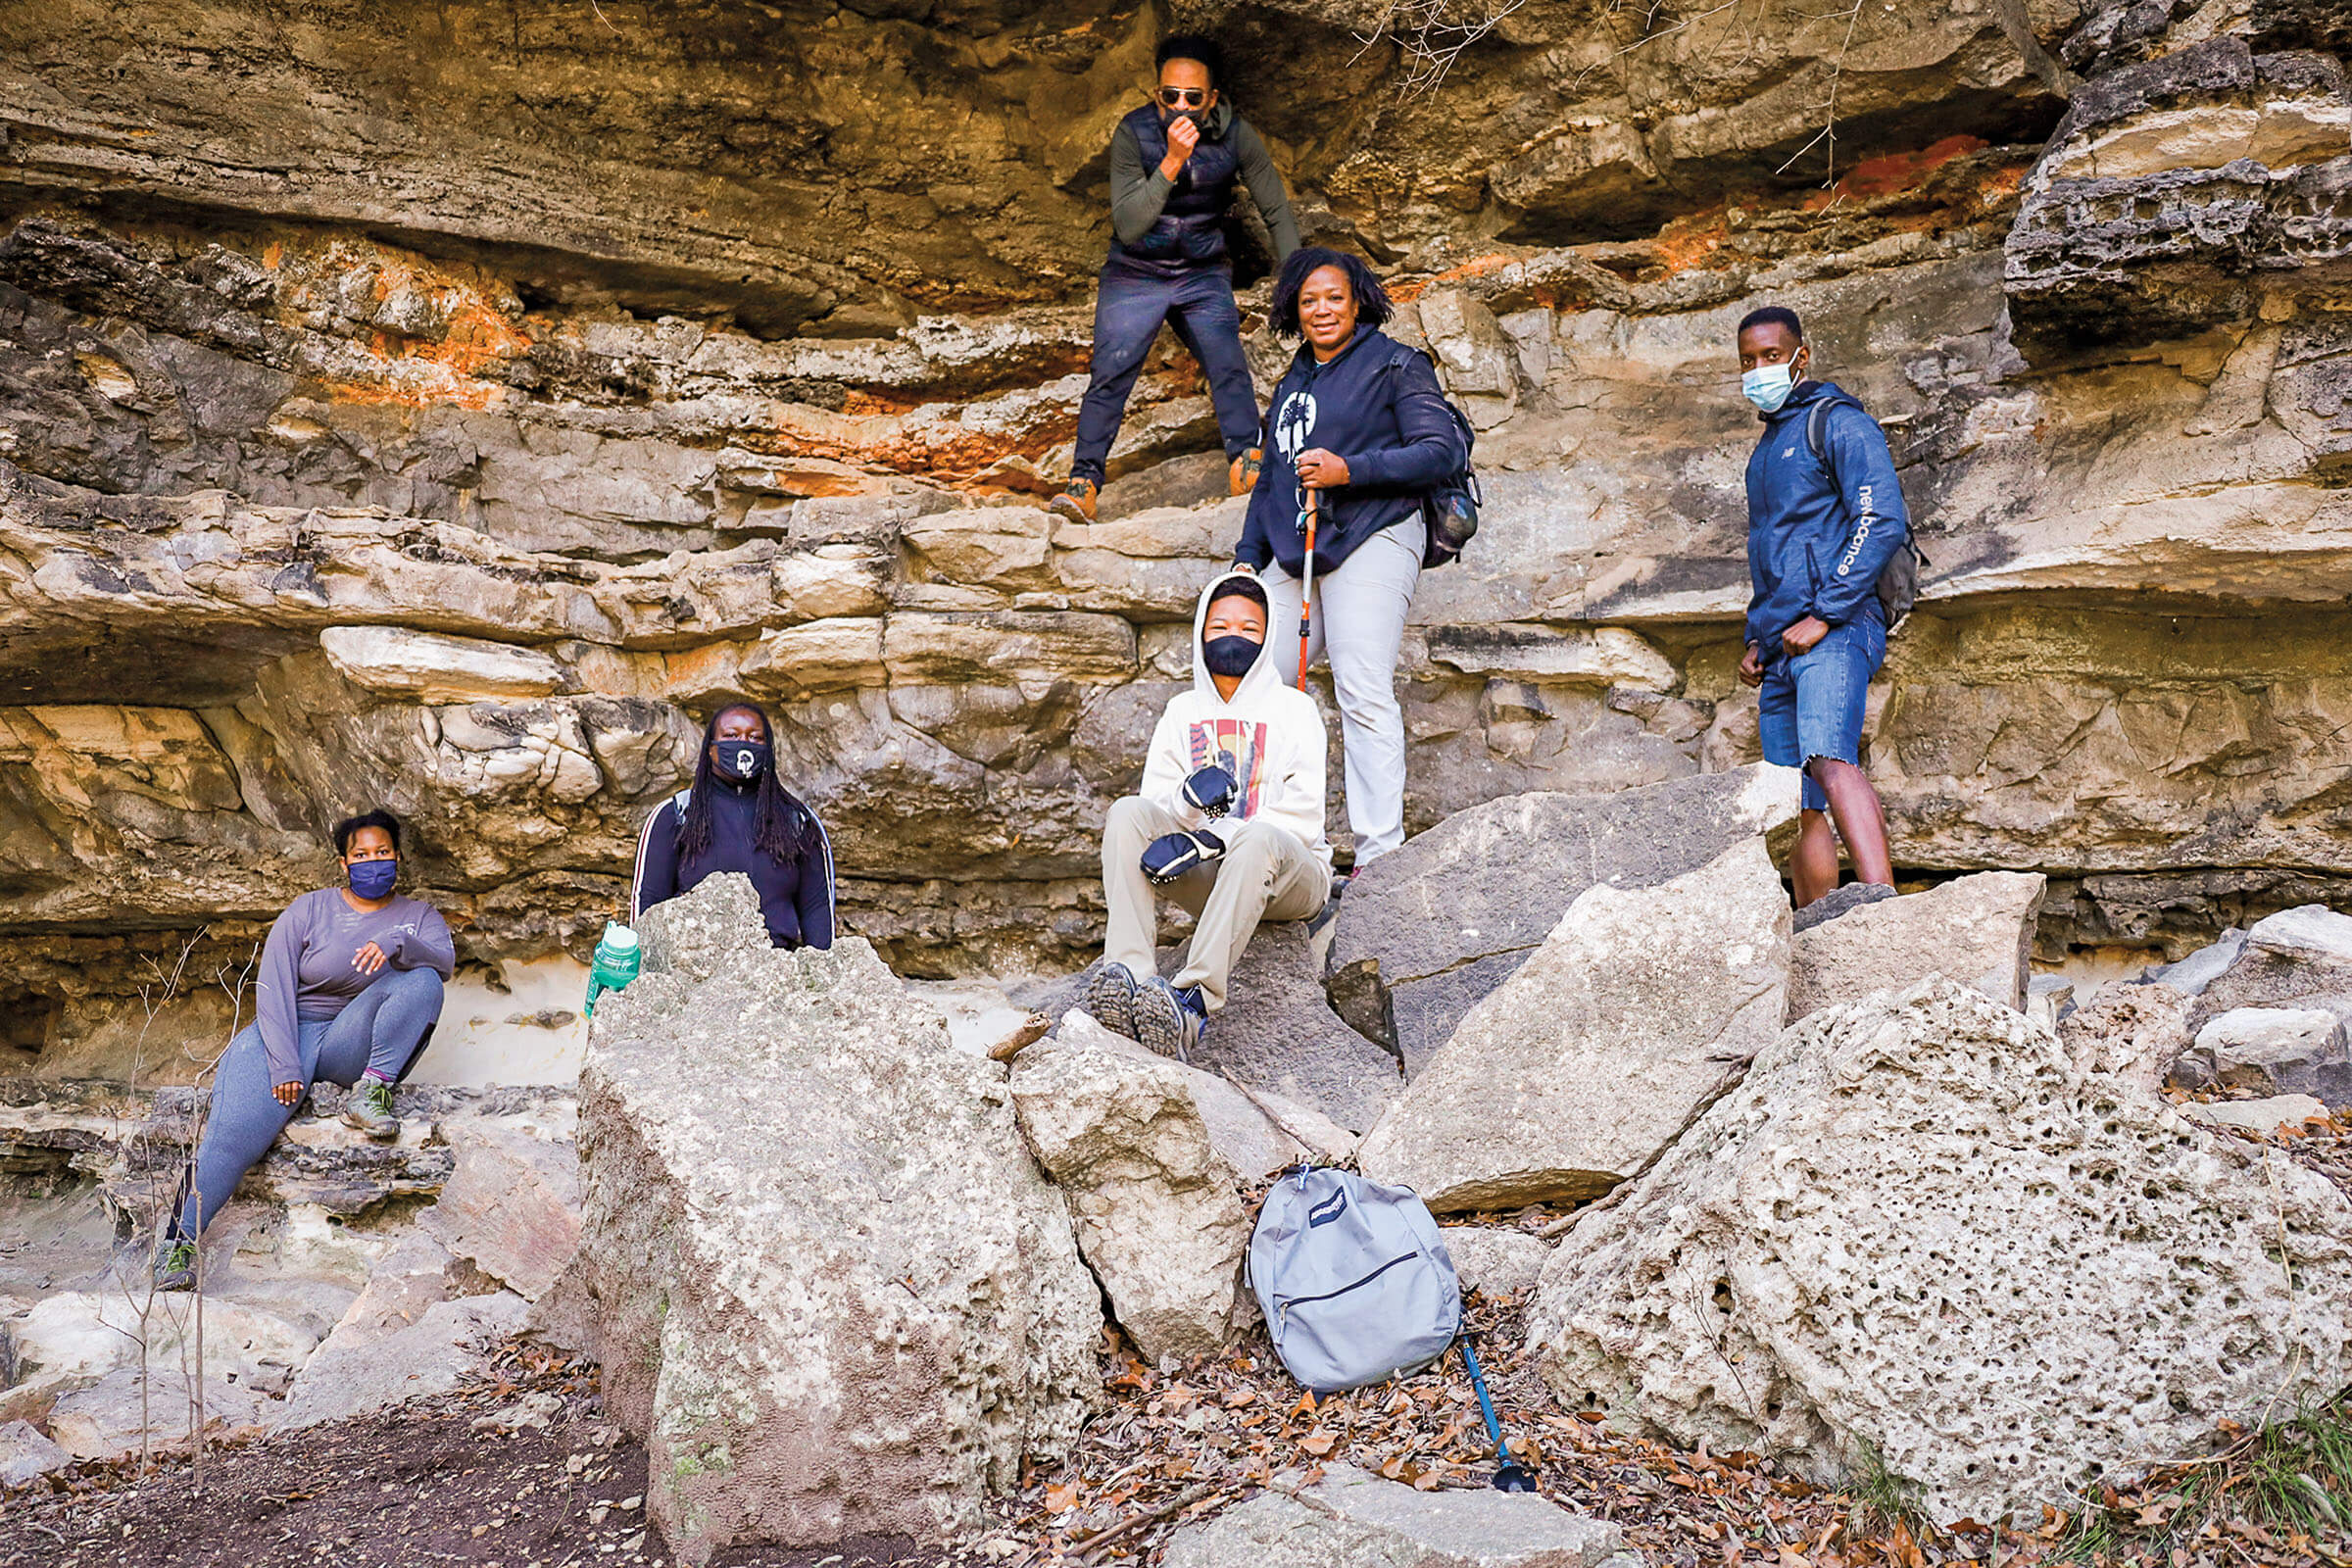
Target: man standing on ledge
[
  {"x": 1825, "y": 515},
  {"x": 1173, "y": 166}
]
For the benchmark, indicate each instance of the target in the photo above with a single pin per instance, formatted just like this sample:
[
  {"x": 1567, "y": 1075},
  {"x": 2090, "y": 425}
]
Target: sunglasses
[{"x": 1183, "y": 97}]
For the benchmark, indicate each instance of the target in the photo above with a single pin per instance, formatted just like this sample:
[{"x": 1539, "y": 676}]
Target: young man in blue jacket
[
  {"x": 1174, "y": 164},
  {"x": 1820, "y": 530}
]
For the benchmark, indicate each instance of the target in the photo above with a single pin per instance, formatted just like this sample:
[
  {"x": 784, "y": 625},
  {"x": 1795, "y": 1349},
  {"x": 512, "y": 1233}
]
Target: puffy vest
[{"x": 1192, "y": 226}]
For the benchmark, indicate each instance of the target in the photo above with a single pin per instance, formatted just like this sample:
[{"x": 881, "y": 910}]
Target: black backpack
[
  {"x": 1451, "y": 509},
  {"x": 1899, "y": 583}
]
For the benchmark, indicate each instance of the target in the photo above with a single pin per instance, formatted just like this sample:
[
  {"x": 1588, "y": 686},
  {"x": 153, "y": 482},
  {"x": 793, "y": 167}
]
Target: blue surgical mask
[
  {"x": 373, "y": 879},
  {"x": 1768, "y": 386}
]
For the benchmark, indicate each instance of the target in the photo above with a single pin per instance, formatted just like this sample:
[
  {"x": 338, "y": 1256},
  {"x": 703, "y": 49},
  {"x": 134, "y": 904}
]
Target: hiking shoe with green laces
[
  {"x": 175, "y": 1266},
  {"x": 370, "y": 1110},
  {"x": 1076, "y": 502}
]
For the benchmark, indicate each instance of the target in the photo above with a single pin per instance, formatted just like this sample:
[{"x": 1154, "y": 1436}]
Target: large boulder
[
  {"x": 1424, "y": 933},
  {"x": 1976, "y": 929},
  {"x": 831, "y": 1293},
  {"x": 1640, "y": 1007},
  {"x": 1917, "y": 1230},
  {"x": 1152, "y": 1155},
  {"x": 1349, "y": 1518}
]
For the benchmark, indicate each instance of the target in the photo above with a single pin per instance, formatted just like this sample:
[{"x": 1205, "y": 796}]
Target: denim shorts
[{"x": 1812, "y": 705}]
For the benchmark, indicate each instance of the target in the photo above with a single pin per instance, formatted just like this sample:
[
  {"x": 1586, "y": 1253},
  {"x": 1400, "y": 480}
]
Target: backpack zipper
[{"x": 1282, "y": 1308}]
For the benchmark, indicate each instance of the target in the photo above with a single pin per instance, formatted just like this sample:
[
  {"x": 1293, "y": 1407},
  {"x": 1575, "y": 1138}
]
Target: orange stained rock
[
  {"x": 1476, "y": 266},
  {"x": 1884, "y": 177},
  {"x": 1692, "y": 241}
]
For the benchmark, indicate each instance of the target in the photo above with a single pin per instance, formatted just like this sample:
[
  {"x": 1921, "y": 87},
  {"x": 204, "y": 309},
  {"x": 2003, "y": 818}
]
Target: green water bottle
[{"x": 618, "y": 956}]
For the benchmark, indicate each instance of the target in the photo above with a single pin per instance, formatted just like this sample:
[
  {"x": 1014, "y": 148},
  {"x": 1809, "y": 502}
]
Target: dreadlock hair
[{"x": 778, "y": 827}]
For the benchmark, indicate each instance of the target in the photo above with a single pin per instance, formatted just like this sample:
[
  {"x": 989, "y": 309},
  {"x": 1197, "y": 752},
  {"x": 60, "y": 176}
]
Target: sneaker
[
  {"x": 1111, "y": 999},
  {"x": 175, "y": 1266},
  {"x": 1168, "y": 1020},
  {"x": 1246, "y": 469},
  {"x": 1076, "y": 503},
  {"x": 370, "y": 1110}
]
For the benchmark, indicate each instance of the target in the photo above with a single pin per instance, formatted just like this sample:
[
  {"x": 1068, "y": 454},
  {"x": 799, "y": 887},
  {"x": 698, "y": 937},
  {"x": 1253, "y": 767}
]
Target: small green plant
[
  {"x": 2292, "y": 1477},
  {"x": 1883, "y": 1498}
]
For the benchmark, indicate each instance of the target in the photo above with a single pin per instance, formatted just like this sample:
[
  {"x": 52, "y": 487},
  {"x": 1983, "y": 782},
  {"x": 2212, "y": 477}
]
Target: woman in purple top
[{"x": 350, "y": 988}]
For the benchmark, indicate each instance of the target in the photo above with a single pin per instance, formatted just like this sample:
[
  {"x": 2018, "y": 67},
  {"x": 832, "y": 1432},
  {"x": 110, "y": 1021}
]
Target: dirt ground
[{"x": 525, "y": 1471}]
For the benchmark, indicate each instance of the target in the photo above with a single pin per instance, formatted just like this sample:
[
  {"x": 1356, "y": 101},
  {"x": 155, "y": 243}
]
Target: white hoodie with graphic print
[{"x": 1269, "y": 736}]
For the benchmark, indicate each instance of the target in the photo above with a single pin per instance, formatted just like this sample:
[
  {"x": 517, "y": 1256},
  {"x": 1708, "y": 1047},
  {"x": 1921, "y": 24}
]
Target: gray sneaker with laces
[
  {"x": 370, "y": 1110},
  {"x": 175, "y": 1266}
]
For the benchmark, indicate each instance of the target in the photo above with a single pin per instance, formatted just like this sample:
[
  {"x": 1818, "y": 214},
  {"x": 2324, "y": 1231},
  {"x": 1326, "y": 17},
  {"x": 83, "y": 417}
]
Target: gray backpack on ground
[{"x": 1354, "y": 1282}]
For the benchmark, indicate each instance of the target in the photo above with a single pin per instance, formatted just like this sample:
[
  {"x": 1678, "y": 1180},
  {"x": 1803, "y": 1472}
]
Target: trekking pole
[
  {"x": 1306, "y": 584},
  {"x": 1510, "y": 1473}
]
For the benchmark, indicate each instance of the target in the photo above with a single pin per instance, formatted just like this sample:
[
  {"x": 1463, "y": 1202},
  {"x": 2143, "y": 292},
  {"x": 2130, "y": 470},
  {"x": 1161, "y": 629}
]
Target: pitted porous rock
[
  {"x": 829, "y": 1289},
  {"x": 2134, "y": 1032},
  {"x": 1916, "y": 1229},
  {"x": 1152, "y": 1155},
  {"x": 695, "y": 937}
]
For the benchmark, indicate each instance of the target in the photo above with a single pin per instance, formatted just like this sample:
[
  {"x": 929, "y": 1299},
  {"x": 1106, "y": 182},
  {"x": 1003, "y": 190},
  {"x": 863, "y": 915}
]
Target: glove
[
  {"x": 1210, "y": 790},
  {"x": 1171, "y": 855}
]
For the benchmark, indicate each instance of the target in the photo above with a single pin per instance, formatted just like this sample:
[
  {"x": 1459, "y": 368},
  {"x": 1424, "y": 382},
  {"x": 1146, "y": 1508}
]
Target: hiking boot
[
  {"x": 175, "y": 1266},
  {"x": 1246, "y": 469},
  {"x": 1111, "y": 999},
  {"x": 370, "y": 1110},
  {"x": 1168, "y": 1020},
  {"x": 1076, "y": 503}
]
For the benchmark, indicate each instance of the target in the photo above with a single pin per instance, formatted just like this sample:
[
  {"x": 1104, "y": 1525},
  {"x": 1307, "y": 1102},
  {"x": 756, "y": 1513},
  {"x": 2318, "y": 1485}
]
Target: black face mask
[
  {"x": 742, "y": 760},
  {"x": 1230, "y": 656}
]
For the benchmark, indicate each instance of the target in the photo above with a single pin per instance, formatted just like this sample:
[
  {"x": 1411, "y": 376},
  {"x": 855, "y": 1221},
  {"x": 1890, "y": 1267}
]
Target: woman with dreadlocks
[{"x": 738, "y": 817}]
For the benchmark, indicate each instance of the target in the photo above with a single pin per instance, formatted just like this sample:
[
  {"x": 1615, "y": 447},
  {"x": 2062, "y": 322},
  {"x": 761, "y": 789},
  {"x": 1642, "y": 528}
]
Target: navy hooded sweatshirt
[
  {"x": 1819, "y": 533},
  {"x": 1377, "y": 404}
]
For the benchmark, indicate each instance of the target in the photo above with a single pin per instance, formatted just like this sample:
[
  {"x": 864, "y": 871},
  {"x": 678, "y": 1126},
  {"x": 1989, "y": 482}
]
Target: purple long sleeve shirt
[{"x": 307, "y": 969}]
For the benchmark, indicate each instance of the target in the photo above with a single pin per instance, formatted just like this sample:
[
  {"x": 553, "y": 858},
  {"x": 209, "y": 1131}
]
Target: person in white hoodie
[{"x": 1229, "y": 824}]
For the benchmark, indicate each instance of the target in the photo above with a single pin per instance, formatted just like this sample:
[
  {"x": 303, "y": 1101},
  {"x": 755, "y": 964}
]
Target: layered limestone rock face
[
  {"x": 828, "y": 1288},
  {"x": 2049, "y": 1275},
  {"x": 448, "y": 410}
]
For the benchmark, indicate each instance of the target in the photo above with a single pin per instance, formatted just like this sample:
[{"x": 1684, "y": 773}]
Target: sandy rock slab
[
  {"x": 1426, "y": 933},
  {"x": 1916, "y": 1228},
  {"x": 1641, "y": 1006},
  {"x": 829, "y": 1289},
  {"x": 1976, "y": 929},
  {"x": 1349, "y": 1519},
  {"x": 1152, "y": 1155}
]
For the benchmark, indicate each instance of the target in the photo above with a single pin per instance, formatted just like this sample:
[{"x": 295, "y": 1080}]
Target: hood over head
[{"x": 1262, "y": 673}]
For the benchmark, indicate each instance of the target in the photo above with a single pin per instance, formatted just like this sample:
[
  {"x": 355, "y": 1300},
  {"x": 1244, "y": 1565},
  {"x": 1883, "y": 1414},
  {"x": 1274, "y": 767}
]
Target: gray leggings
[
  {"x": 1359, "y": 619},
  {"x": 380, "y": 1028}
]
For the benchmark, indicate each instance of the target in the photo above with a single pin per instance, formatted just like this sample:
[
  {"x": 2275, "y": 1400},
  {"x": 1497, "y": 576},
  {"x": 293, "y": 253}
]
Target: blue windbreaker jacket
[{"x": 1819, "y": 534}]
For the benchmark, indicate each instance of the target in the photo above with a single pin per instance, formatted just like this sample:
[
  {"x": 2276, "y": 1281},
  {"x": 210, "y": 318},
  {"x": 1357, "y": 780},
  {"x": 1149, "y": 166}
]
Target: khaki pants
[{"x": 1266, "y": 873}]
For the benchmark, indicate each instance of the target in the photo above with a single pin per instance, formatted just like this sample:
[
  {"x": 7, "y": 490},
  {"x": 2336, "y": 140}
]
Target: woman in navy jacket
[
  {"x": 740, "y": 817},
  {"x": 1359, "y": 419}
]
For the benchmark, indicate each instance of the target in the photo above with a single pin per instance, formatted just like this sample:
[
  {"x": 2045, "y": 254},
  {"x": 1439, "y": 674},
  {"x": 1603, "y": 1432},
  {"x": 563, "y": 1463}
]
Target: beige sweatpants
[{"x": 1266, "y": 874}]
